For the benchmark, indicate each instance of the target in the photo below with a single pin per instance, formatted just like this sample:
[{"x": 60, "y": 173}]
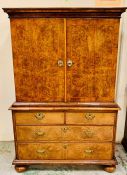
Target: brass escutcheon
[
  {"x": 65, "y": 146},
  {"x": 65, "y": 129},
  {"x": 39, "y": 115},
  {"x": 43, "y": 151},
  {"x": 40, "y": 133},
  {"x": 89, "y": 133},
  {"x": 89, "y": 116},
  {"x": 88, "y": 151}
]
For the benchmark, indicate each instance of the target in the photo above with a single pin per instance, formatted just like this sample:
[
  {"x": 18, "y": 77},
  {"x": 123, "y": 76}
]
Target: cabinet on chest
[{"x": 65, "y": 67}]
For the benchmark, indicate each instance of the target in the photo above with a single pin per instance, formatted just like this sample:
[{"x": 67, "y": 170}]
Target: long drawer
[
  {"x": 70, "y": 151},
  {"x": 65, "y": 133},
  {"x": 90, "y": 118},
  {"x": 38, "y": 117}
]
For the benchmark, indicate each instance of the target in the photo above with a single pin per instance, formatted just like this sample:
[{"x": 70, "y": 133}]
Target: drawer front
[
  {"x": 90, "y": 133},
  {"x": 91, "y": 118},
  {"x": 33, "y": 133},
  {"x": 39, "y": 151},
  {"x": 89, "y": 151},
  {"x": 34, "y": 118},
  {"x": 69, "y": 151},
  {"x": 65, "y": 133}
]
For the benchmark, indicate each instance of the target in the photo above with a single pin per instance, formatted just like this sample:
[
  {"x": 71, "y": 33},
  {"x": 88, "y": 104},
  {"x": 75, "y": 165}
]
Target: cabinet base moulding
[
  {"x": 22, "y": 165},
  {"x": 80, "y": 162}
]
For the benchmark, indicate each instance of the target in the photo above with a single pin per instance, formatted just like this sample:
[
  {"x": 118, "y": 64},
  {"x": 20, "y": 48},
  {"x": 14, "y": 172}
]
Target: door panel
[
  {"x": 92, "y": 47},
  {"x": 38, "y": 44}
]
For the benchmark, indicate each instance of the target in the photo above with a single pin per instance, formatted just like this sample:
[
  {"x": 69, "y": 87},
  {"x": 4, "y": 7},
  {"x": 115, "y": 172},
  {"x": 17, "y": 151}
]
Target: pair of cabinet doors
[{"x": 65, "y": 60}]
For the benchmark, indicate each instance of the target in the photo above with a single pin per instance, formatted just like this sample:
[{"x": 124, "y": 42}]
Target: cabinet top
[{"x": 112, "y": 12}]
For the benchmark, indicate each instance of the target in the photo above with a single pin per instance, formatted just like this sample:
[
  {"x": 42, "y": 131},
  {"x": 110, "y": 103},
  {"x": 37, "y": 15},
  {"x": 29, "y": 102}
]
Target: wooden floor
[{"x": 7, "y": 155}]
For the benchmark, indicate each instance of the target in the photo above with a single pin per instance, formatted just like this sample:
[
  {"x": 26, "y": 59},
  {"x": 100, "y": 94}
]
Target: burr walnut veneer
[{"x": 65, "y": 70}]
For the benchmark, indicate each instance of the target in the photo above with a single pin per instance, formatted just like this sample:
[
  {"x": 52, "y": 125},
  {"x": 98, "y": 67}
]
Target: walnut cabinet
[{"x": 65, "y": 70}]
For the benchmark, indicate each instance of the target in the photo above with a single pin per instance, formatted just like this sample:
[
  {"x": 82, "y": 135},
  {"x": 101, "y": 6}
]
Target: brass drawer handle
[
  {"x": 89, "y": 151},
  {"x": 43, "y": 151},
  {"x": 40, "y": 133},
  {"x": 39, "y": 115},
  {"x": 60, "y": 63},
  {"x": 89, "y": 116},
  {"x": 89, "y": 133},
  {"x": 65, "y": 129}
]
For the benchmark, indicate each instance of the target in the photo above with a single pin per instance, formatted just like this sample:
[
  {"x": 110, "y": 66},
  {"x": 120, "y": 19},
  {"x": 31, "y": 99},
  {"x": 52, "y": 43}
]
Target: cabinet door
[
  {"x": 92, "y": 48},
  {"x": 38, "y": 45}
]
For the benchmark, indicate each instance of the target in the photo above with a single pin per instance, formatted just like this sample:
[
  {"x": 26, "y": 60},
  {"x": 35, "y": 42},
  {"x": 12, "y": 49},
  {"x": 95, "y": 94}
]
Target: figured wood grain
[
  {"x": 38, "y": 133},
  {"x": 99, "y": 151},
  {"x": 64, "y": 133},
  {"x": 98, "y": 118},
  {"x": 92, "y": 46},
  {"x": 88, "y": 133},
  {"x": 30, "y": 118},
  {"x": 38, "y": 151},
  {"x": 38, "y": 44}
]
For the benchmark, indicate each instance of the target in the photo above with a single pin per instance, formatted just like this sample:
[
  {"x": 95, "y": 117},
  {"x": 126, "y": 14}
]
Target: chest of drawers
[
  {"x": 72, "y": 140},
  {"x": 65, "y": 64},
  {"x": 66, "y": 137}
]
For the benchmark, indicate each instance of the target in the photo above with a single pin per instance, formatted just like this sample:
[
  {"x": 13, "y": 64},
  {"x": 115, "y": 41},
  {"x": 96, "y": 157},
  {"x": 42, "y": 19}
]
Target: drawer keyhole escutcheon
[
  {"x": 40, "y": 133},
  {"x": 42, "y": 152},
  {"x": 89, "y": 151},
  {"x": 65, "y": 146},
  {"x": 65, "y": 129},
  {"x": 89, "y": 116},
  {"x": 39, "y": 115},
  {"x": 88, "y": 133}
]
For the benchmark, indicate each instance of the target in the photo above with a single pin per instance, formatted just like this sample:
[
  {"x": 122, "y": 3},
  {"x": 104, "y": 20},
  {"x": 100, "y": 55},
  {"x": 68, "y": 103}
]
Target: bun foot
[
  {"x": 110, "y": 169},
  {"x": 20, "y": 168}
]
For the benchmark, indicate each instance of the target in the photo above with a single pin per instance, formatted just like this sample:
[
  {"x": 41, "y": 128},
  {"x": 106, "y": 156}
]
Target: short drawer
[
  {"x": 37, "y": 133},
  {"x": 64, "y": 133},
  {"x": 91, "y": 118},
  {"x": 40, "y": 151},
  {"x": 39, "y": 117},
  {"x": 89, "y": 151},
  {"x": 88, "y": 133}
]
